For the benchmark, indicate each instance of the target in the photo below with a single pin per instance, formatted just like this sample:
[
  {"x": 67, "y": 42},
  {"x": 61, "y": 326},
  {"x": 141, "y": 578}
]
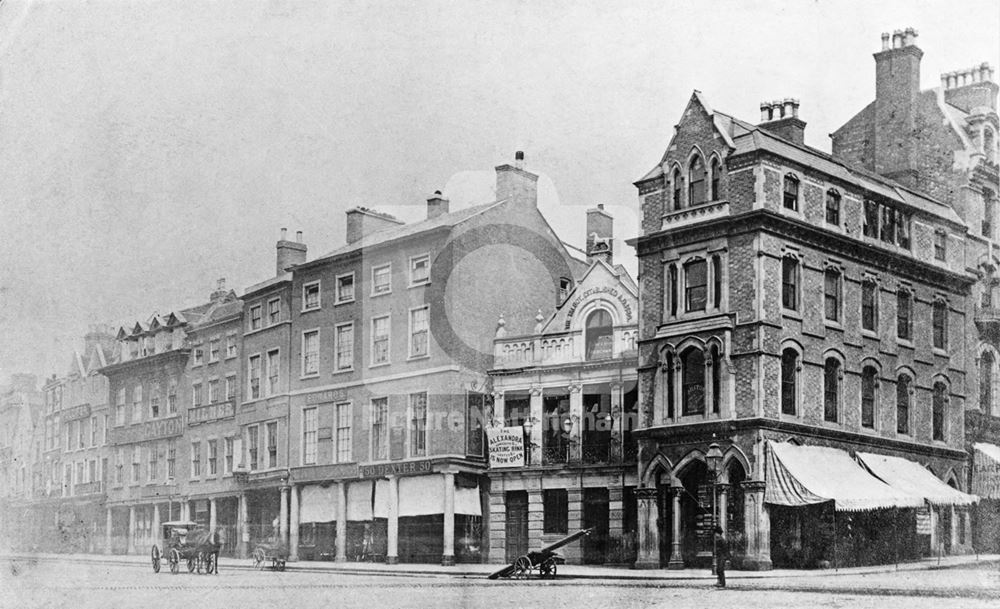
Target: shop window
[
  {"x": 556, "y": 510},
  {"x": 600, "y": 335}
]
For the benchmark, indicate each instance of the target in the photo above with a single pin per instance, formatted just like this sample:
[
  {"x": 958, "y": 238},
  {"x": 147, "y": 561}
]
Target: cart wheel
[
  {"x": 547, "y": 568},
  {"x": 281, "y": 564},
  {"x": 192, "y": 564},
  {"x": 258, "y": 558},
  {"x": 175, "y": 561},
  {"x": 155, "y": 555},
  {"x": 521, "y": 567}
]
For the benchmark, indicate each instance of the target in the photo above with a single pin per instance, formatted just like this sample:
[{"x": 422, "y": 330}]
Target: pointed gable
[{"x": 601, "y": 286}]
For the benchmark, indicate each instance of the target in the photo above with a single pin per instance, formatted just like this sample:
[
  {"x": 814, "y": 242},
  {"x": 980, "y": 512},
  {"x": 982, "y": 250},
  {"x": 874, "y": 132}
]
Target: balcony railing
[
  {"x": 694, "y": 215},
  {"x": 555, "y": 454},
  {"x": 597, "y": 452},
  {"x": 88, "y": 488},
  {"x": 561, "y": 348}
]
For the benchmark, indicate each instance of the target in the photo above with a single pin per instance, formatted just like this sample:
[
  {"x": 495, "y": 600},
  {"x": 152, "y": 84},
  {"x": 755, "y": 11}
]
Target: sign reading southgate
[{"x": 506, "y": 446}]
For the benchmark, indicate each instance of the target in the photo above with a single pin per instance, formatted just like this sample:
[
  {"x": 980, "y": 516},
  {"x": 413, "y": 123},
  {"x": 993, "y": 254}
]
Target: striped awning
[
  {"x": 915, "y": 479},
  {"x": 805, "y": 475}
]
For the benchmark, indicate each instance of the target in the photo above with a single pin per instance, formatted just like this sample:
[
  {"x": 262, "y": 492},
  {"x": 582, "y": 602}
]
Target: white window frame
[
  {"x": 302, "y": 358},
  {"x": 409, "y": 335},
  {"x": 336, "y": 347},
  {"x": 198, "y": 354},
  {"x": 413, "y": 261},
  {"x": 212, "y": 457},
  {"x": 267, "y": 446},
  {"x": 228, "y": 455},
  {"x": 213, "y": 391},
  {"x": 213, "y": 355},
  {"x": 196, "y": 395},
  {"x": 252, "y": 431},
  {"x": 230, "y": 388},
  {"x": 319, "y": 296},
  {"x": 268, "y": 389},
  {"x": 354, "y": 288},
  {"x": 231, "y": 341},
  {"x": 260, "y": 321},
  {"x": 276, "y": 302},
  {"x": 308, "y": 459},
  {"x": 338, "y": 441},
  {"x": 388, "y": 346},
  {"x": 376, "y": 268},
  {"x": 410, "y": 440},
  {"x": 260, "y": 390},
  {"x": 195, "y": 475},
  {"x": 385, "y": 430}
]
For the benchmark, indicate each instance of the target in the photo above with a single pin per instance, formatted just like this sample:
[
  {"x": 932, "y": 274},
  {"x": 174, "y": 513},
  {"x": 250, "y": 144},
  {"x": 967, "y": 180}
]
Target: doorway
[
  {"x": 517, "y": 524},
  {"x": 595, "y": 516}
]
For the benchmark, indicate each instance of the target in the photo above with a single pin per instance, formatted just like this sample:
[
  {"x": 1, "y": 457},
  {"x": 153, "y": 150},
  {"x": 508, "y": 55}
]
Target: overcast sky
[{"x": 149, "y": 148}]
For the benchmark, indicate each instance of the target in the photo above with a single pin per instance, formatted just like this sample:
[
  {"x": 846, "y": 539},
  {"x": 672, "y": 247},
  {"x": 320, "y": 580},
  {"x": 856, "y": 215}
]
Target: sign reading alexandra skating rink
[
  {"x": 506, "y": 446},
  {"x": 150, "y": 430}
]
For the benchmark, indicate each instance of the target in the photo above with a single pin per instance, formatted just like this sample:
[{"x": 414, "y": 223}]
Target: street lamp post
[
  {"x": 528, "y": 424},
  {"x": 713, "y": 459},
  {"x": 567, "y": 427}
]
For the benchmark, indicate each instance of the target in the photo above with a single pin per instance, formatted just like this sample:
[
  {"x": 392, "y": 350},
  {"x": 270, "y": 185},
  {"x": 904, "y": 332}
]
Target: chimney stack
[
  {"x": 600, "y": 235},
  {"x": 781, "y": 117},
  {"x": 437, "y": 205},
  {"x": 897, "y": 88},
  {"x": 971, "y": 88},
  {"x": 220, "y": 290},
  {"x": 362, "y": 222},
  {"x": 514, "y": 182},
  {"x": 290, "y": 253}
]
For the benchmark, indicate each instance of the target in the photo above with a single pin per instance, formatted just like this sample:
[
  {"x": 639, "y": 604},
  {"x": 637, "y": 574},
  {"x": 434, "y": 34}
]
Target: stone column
[
  {"x": 576, "y": 414},
  {"x": 448, "y": 556},
  {"x": 757, "y": 527},
  {"x": 213, "y": 515},
  {"x": 244, "y": 527},
  {"x": 283, "y": 516},
  {"x": 392, "y": 541},
  {"x": 676, "y": 557},
  {"x": 108, "y": 538},
  {"x": 723, "y": 498},
  {"x": 536, "y": 411},
  {"x": 648, "y": 552},
  {"x": 131, "y": 530},
  {"x": 156, "y": 523},
  {"x": 341, "y": 522},
  {"x": 615, "y": 512},
  {"x": 293, "y": 525}
]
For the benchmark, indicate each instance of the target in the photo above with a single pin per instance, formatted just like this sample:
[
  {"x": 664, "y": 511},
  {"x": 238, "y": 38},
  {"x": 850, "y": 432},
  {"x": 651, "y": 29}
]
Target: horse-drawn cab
[{"x": 187, "y": 541}]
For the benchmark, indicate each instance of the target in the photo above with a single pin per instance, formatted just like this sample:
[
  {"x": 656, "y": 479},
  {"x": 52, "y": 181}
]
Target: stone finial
[
  {"x": 501, "y": 327},
  {"x": 538, "y": 322}
]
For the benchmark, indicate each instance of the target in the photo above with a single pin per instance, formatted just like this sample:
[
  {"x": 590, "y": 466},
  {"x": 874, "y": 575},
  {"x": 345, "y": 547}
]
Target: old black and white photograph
[{"x": 650, "y": 304}]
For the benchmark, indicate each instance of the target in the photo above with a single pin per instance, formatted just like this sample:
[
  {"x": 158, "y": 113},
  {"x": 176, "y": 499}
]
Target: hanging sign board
[
  {"x": 923, "y": 521},
  {"x": 506, "y": 445}
]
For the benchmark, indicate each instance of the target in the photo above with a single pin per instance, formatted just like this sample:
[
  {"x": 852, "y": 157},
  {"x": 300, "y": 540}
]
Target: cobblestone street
[{"x": 60, "y": 583}]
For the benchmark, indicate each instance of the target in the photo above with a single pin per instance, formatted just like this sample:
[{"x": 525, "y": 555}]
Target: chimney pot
[
  {"x": 765, "y": 112},
  {"x": 885, "y": 41},
  {"x": 437, "y": 205},
  {"x": 519, "y": 155},
  {"x": 284, "y": 233},
  {"x": 221, "y": 283},
  {"x": 298, "y": 236}
]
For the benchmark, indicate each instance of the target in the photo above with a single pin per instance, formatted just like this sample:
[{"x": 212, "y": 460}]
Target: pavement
[{"x": 480, "y": 571}]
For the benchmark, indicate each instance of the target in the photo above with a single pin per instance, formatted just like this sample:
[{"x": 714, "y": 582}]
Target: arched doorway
[{"x": 696, "y": 514}]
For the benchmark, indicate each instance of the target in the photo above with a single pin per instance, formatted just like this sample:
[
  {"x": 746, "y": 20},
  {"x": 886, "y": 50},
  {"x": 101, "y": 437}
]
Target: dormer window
[
  {"x": 833, "y": 207},
  {"x": 791, "y": 193}
]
